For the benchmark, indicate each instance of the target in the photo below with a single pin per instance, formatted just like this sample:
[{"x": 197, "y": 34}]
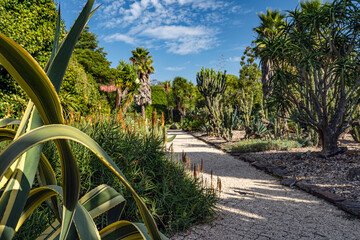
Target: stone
[
  {"x": 329, "y": 196},
  {"x": 353, "y": 174},
  {"x": 277, "y": 171},
  {"x": 236, "y": 153},
  {"x": 350, "y": 206},
  {"x": 288, "y": 182},
  {"x": 248, "y": 159},
  {"x": 259, "y": 165},
  {"x": 306, "y": 187}
]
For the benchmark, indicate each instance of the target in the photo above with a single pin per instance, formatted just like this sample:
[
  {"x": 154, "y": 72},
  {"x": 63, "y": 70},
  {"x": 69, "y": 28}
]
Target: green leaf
[
  {"x": 51, "y": 132},
  {"x": 86, "y": 227},
  {"x": 170, "y": 139},
  {"x": 58, "y": 66},
  {"x": 7, "y": 134},
  {"x": 9, "y": 121},
  {"x": 96, "y": 202},
  {"x": 46, "y": 176},
  {"x": 33, "y": 80},
  {"x": 122, "y": 230},
  {"x": 36, "y": 84},
  {"x": 102, "y": 199}
]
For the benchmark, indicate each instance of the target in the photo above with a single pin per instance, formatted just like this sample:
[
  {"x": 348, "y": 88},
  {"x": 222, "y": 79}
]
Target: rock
[
  {"x": 353, "y": 174},
  {"x": 236, "y": 153},
  {"x": 306, "y": 187},
  {"x": 329, "y": 196},
  {"x": 248, "y": 159},
  {"x": 279, "y": 172},
  {"x": 350, "y": 206},
  {"x": 259, "y": 165},
  {"x": 288, "y": 182}
]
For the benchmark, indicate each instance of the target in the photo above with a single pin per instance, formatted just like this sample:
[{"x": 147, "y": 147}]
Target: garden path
[{"x": 253, "y": 205}]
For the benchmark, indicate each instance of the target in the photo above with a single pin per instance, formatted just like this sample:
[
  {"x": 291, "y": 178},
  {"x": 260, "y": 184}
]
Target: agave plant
[{"x": 22, "y": 159}]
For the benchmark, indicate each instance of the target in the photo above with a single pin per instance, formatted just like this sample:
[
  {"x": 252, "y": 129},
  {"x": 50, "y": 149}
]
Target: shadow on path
[{"x": 253, "y": 205}]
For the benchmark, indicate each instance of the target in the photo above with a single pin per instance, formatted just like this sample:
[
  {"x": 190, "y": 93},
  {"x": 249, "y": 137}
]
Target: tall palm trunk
[
  {"x": 267, "y": 73},
  {"x": 144, "y": 96}
]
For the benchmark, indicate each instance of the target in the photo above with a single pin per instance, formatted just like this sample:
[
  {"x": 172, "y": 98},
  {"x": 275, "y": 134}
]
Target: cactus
[
  {"x": 246, "y": 108},
  {"x": 355, "y": 131},
  {"x": 212, "y": 85}
]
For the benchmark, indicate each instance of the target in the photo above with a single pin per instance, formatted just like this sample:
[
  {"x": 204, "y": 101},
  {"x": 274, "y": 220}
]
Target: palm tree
[
  {"x": 141, "y": 59},
  {"x": 167, "y": 88},
  {"x": 271, "y": 25}
]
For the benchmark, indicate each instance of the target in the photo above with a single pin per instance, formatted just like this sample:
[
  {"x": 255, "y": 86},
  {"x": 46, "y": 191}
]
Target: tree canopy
[{"x": 316, "y": 63}]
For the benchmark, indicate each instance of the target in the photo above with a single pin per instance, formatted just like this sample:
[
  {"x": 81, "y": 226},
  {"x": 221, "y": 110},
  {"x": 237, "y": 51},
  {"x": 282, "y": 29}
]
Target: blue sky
[{"x": 181, "y": 35}]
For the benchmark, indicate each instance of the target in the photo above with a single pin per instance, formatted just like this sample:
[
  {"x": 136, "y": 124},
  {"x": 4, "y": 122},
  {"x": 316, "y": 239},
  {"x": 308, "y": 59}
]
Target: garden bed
[{"x": 331, "y": 179}]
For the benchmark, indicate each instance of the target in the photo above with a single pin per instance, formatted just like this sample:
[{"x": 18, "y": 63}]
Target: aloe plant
[{"x": 22, "y": 159}]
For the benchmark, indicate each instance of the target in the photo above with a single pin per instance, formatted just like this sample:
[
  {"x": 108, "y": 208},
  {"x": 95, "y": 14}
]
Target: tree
[
  {"x": 249, "y": 76},
  {"x": 142, "y": 59},
  {"x": 212, "y": 85},
  {"x": 79, "y": 91},
  {"x": 317, "y": 65},
  {"x": 231, "y": 94},
  {"x": 184, "y": 94},
  {"x": 32, "y": 25},
  {"x": 170, "y": 103},
  {"x": 270, "y": 27},
  {"x": 127, "y": 85},
  {"x": 93, "y": 58}
]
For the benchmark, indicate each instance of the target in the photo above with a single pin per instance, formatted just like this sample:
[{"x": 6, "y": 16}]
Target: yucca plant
[{"x": 22, "y": 159}]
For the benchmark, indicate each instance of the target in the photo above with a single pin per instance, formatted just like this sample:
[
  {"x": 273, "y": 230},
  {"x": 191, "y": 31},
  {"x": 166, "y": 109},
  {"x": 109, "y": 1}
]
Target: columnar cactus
[{"x": 212, "y": 85}]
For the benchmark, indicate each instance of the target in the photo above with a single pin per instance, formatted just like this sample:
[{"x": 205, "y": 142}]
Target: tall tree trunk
[
  {"x": 329, "y": 142},
  {"x": 143, "y": 111},
  {"x": 267, "y": 73},
  {"x": 118, "y": 98}
]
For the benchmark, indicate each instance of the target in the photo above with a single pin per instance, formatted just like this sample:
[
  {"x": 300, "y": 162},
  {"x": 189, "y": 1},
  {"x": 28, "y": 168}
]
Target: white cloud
[
  {"x": 181, "y": 26},
  {"x": 117, "y": 37},
  {"x": 175, "y": 32},
  {"x": 234, "y": 59},
  {"x": 188, "y": 45},
  {"x": 175, "y": 68},
  {"x": 113, "y": 8}
]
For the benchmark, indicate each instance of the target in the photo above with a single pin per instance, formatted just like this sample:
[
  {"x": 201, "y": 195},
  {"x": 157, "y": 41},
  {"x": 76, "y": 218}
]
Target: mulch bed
[{"x": 335, "y": 179}]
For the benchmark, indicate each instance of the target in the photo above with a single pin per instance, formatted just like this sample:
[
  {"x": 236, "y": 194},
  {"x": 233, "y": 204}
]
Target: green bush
[
  {"x": 259, "y": 145},
  {"x": 175, "y": 199}
]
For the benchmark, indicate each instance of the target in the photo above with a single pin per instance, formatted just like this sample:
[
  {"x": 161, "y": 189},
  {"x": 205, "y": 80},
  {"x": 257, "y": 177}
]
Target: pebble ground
[{"x": 253, "y": 205}]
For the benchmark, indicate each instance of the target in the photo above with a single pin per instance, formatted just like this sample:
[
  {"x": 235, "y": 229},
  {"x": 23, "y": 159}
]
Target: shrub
[
  {"x": 259, "y": 145},
  {"x": 175, "y": 199}
]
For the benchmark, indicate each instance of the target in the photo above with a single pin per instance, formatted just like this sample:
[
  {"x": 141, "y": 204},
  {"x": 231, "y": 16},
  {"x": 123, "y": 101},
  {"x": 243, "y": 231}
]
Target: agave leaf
[
  {"x": 86, "y": 227},
  {"x": 18, "y": 187},
  {"x": 46, "y": 176},
  {"x": 51, "y": 132},
  {"x": 123, "y": 230},
  {"x": 25, "y": 119},
  {"x": 36, "y": 84},
  {"x": 33, "y": 80},
  {"x": 104, "y": 198},
  {"x": 7, "y": 134},
  {"x": 170, "y": 139},
  {"x": 55, "y": 47},
  {"x": 58, "y": 66},
  {"x": 142, "y": 228},
  {"x": 9, "y": 121},
  {"x": 96, "y": 202}
]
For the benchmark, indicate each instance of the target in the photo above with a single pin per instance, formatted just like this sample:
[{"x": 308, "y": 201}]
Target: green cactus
[
  {"x": 212, "y": 85},
  {"x": 246, "y": 107},
  {"x": 355, "y": 132}
]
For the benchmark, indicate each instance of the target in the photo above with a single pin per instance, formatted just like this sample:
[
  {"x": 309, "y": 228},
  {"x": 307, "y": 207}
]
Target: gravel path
[{"x": 253, "y": 205}]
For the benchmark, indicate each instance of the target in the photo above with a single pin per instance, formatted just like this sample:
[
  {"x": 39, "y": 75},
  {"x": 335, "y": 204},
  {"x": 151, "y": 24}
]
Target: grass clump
[
  {"x": 260, "y": 145},
  {"x": 175, "y": 199}
]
